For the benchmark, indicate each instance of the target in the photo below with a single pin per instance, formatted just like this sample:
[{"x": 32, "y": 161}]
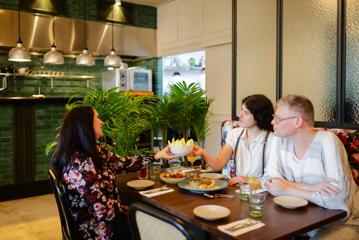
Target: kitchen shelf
[{"x": 47, "y": 76}]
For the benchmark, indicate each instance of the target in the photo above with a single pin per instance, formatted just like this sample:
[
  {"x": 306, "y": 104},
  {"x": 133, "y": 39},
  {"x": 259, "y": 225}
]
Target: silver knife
[
  {"x": 241, "y": 225},
  {"x": 156, "y": 190}
]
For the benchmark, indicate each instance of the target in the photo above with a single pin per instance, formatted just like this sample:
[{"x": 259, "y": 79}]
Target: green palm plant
[
  {"x": 185, "y": 108},
  {"x": 125, "y": 118}
]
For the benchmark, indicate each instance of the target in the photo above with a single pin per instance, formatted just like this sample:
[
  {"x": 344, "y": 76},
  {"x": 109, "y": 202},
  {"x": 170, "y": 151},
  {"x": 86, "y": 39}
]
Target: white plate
[
  {"x": 290, "y": 202},
  {"x": 211, "y": 175},
  {"x": 211, "y": 212},
  {"x": 140, "y": 184}
]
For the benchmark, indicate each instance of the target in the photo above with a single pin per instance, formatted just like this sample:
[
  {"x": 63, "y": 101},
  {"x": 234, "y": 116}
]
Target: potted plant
[
  {"x": 125, "y": 118},
  {"x": 186, "y": 108}
]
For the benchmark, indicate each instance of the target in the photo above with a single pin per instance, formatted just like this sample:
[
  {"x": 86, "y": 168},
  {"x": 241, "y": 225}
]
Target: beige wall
[
  {"x": 256, "y": 42},
  {"x": 218, "y": 85}
]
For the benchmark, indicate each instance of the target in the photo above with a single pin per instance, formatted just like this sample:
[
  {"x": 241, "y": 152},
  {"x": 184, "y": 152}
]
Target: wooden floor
[{"x": 34, "y": 218}]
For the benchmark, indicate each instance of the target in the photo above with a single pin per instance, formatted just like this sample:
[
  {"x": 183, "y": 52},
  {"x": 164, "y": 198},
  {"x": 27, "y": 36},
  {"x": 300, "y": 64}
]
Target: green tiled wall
[
  {"x": 6, "y": 145},
  {"x": 22, "y": 86},
  {"x": 48, "y": 118},
  {"x": 138, "y": 15},
  {"x": 155, "y": 64}
]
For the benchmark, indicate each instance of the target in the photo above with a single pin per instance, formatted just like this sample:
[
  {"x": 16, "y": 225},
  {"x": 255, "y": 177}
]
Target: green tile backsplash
[{"x": 6, "y": 145}]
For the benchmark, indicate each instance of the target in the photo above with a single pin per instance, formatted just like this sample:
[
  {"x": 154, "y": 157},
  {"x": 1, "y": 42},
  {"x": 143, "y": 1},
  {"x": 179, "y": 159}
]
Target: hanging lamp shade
[
  {"x": 85, "y": 59},
  {"x": 112, "y": 60},
  {"x": 19, "y": 53},
  {"x": 53, "y": 56}
]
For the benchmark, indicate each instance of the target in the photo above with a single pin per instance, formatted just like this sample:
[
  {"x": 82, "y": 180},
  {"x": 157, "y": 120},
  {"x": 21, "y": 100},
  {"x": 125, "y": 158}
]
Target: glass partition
[
  {"x": 351, "y": 101},
  {"x": 309, "y": 53}
]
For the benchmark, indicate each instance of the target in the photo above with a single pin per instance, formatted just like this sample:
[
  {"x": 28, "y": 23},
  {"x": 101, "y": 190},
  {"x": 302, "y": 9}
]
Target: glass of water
[{"x": 256, "y": 205}]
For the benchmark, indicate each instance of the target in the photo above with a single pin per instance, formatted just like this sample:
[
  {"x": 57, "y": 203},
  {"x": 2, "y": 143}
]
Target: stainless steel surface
[{"x": 36, "y": 33}]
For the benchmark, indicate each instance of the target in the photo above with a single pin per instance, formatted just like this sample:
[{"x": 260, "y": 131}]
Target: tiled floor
[{"x": 34, "y": 218}]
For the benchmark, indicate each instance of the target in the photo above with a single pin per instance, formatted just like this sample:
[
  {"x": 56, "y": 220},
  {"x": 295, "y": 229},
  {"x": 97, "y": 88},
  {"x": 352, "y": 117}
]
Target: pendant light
[
  {"x": 85, "y": 58},
  {"x": 112, "y": 60},
  {"x": 19, "y": 53},
  {"x": 53, "y": 56}
]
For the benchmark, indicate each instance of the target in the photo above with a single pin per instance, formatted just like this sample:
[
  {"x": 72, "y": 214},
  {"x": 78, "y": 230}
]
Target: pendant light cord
[
  {"x": 18, "y": 21},
  {"x": 53, "y": 31},
  {"x": 85, "y": 34},
  {"x": 113, "y": 19}
]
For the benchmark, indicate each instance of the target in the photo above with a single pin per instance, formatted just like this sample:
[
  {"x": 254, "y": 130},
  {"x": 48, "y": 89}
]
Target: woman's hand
[
  {"x": 238, "y": 179},
  {"x": 164, "y": 153},
  {"x": 328, "y": 187},
  {"x": 197, "y": 150}
]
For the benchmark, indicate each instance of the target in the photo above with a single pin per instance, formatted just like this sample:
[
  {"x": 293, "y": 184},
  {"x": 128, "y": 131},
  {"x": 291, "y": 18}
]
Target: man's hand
[
  {"x": 238, "y": 179},
  {"x": 327, "y": 187},
  {"x": 277, "y": 187}
]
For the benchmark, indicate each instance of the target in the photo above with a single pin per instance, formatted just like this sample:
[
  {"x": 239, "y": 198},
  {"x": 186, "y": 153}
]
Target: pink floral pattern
[
  {"x": 350, "y": 140},
  {"x": 229, "y": 169},
  {"x": 93, "y": 197}
]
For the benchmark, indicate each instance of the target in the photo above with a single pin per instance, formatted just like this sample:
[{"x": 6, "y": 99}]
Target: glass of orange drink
[
  {"x": 254, "y": 183},
  {"x": 191, "y": 158}
]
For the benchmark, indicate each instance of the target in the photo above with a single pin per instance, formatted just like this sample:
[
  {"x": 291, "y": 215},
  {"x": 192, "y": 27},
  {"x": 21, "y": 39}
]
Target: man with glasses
[{"x": 312, "y": 165}]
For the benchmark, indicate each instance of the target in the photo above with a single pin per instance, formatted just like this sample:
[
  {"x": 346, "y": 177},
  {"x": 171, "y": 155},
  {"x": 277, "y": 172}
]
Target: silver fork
[{"x": 218, "y": 195}]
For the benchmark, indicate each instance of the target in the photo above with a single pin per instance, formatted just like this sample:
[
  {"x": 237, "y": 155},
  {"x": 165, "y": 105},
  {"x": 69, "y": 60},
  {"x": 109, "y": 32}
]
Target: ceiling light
[
  {"x": 53, "y": 56},
  {"x": 112, "y": 60},
  {"x": 19, "y": 53},
  {"x": 85, "y": 58},
  {"x": 118, "y": 3}
]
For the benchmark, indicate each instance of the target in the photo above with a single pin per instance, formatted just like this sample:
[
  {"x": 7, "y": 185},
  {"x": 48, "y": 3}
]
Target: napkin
[
  {"x": 254, "y": 224},
  {"x": 155, "y": 192}
]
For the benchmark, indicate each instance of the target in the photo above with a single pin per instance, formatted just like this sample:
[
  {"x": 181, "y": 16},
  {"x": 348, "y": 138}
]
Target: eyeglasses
[{"x": 278, "y": 119}]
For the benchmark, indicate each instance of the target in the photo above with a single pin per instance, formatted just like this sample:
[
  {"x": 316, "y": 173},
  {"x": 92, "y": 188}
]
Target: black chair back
[
  {"x": 67, "y": 228},
  {"x": 148, "y": 223}
]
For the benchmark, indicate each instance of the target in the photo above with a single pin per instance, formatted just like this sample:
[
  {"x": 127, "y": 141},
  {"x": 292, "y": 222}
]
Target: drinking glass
[
  {"x": 155, "y": 171},
  {"x": 256, "y": 205},
  {"x": 191, "y": 159},
  {"x": 175, "y": 167},
  {"x": 254, "y": 183},
  {"x": 244, "y": 191},
  {"x": 143, "y": 173}
]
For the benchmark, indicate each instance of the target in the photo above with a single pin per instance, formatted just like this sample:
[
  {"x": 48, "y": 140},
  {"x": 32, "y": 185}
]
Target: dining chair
[
  {"x": 148, "y": 223},
  {"x": 68, "y": 232}
]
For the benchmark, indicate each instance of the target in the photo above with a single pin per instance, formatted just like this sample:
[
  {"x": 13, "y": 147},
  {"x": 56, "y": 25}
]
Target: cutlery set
[
  {"x": 218, "y": 195},
  {"x": 163, "y": 188},
  {"x": 241, "y": 225}
]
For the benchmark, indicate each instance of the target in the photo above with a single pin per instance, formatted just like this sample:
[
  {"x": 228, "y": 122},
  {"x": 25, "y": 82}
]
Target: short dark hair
[
  {"x": 262, "y": 110},
  {"x": 76, "y": 135}
]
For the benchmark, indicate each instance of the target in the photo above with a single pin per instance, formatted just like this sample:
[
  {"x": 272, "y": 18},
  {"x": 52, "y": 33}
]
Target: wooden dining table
[{"x": 280, "y": 223}]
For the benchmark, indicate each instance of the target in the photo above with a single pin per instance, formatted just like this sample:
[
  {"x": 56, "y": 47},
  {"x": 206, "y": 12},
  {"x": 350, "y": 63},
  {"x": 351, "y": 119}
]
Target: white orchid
[{"x": 181, "y": 147}]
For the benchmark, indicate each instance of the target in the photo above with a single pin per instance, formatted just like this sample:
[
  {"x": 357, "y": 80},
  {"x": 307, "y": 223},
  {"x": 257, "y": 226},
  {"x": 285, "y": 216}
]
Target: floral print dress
[{"x": 93, "y": 197}]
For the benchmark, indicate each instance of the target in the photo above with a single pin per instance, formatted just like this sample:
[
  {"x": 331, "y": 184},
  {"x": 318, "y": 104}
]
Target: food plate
[
  {"x": 211, "y": 175},
  {"x": 290, "y": 202},
  {"x": 171, "y": 180},
  {"x": 211, "y": 212},
  {"x": 219, "y": 185},
  {"x": 140, "y": 184}
]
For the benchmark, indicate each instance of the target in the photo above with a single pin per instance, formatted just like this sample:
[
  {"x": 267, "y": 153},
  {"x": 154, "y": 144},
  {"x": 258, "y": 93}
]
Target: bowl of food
[
  {"x": 181, "y": 147},
  {"x": 172, "y": 177}
]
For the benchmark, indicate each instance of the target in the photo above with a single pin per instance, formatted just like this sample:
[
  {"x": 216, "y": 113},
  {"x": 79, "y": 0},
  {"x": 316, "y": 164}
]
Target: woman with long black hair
[{"x": 88, "y": 171}]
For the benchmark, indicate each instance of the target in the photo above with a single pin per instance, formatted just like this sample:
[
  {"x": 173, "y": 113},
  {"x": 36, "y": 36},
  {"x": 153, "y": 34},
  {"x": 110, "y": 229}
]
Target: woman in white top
[{"x": 249, "y": 143}]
